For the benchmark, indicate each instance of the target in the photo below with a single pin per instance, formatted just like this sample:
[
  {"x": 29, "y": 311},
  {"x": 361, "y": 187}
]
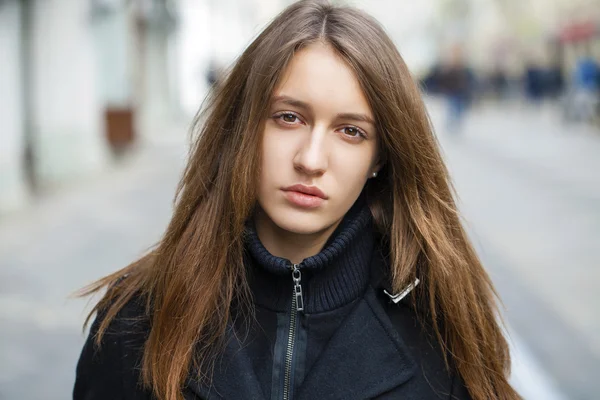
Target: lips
[
  {"x": 309, "y": 190},
  {"x": 304, "y": 196}
]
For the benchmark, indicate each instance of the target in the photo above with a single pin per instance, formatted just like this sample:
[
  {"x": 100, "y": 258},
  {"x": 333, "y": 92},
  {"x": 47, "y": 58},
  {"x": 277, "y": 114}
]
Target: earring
[{"x": 375, "y": 174}]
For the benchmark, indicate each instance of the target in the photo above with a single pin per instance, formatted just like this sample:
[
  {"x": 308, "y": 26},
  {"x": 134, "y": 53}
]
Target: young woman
[{"x": 315, "y": 250}]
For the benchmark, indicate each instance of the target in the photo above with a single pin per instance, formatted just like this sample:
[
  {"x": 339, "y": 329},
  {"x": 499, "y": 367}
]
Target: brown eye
[
  {"x": 353, "y": 132},
  {"x": 289, "y": 118}
]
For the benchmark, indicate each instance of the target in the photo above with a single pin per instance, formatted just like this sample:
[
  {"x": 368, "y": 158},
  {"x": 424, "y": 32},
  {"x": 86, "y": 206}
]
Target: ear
[
  {"x": 378, "y": 165},
  {"x": 379, "y": 161}
]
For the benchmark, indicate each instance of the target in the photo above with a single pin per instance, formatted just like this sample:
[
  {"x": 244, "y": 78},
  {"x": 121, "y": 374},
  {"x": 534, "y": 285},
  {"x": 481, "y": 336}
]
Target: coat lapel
[{"x": 365, "y": 358}]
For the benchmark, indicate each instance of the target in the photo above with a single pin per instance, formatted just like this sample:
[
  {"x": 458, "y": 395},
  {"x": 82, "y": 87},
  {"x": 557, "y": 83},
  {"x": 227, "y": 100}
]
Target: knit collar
[{"x": 330, "y": 279}]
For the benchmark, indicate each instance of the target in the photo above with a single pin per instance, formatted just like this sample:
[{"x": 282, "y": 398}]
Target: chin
[{"x": 300, "y": 223}]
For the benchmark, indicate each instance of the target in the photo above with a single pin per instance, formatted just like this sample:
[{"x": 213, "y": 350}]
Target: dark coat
[{"x": 380, "y": 351}]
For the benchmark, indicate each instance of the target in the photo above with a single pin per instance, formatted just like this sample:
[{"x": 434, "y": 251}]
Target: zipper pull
[{"x": 297, "y": 276}]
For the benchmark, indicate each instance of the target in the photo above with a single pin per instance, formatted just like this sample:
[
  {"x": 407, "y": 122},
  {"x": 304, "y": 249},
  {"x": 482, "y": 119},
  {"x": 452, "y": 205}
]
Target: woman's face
[{"x": 319, "y": 144}]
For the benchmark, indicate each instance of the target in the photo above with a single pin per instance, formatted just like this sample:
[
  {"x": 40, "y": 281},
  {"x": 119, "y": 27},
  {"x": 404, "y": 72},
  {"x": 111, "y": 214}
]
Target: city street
[
  {"x": 529, "y": 189},
  {"x": 530, "y": 194}
]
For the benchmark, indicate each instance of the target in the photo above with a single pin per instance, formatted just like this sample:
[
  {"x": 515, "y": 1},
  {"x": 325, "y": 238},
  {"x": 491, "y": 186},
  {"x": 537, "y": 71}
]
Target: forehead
[{"x": 319, "y": 76}]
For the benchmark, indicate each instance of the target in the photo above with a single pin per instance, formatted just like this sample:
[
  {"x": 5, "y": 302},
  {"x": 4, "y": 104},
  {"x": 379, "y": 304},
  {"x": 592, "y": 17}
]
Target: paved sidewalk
[
  {"x": 559, "y": 153},
  {"x": 66, "y": 241},
  {"x": 530, "y": 193}
]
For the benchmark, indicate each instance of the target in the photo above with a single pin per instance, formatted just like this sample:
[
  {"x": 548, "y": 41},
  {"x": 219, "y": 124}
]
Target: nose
[{"x": 312, "y": 156}]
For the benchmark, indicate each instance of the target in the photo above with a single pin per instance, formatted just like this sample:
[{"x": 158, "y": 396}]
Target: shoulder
[
  {"x": 437, "y": 371},
  {"x": 129, "y": 328},
  {"x": 112, "y": 369},
  {"x": 436, "y": 367}
]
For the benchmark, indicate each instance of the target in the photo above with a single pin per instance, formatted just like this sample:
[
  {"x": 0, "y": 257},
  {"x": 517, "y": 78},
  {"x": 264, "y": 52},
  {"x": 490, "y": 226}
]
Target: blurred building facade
[
  {"x": 515, "y": 33},
  {"x": 12, "y": 137},
  {"x": 83, "y": 80},
  {"x": 80, "y": 80}
]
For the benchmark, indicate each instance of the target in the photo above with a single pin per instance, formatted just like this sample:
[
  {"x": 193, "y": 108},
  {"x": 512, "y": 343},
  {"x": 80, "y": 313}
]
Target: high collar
[{"x": 330, "y": 279}]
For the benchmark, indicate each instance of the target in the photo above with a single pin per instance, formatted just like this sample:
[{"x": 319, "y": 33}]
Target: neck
[
  {"x": 290, "y": 245},
  {"x": 335, "y": 267}
]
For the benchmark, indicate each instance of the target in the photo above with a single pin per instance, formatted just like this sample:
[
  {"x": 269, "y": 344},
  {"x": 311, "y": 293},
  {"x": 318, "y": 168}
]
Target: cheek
[
  {"x": 275, "y": 151},
  {"x": 354, "y": 167}
]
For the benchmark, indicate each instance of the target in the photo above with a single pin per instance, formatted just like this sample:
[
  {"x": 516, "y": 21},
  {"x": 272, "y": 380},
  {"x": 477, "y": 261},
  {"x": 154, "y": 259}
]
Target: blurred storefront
[
  {"x": 79, "y": 80},
  {"x": 135, "y": 45}
]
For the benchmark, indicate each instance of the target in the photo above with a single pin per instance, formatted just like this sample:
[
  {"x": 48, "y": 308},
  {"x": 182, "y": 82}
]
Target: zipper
[{"x": 297, "y": 306}]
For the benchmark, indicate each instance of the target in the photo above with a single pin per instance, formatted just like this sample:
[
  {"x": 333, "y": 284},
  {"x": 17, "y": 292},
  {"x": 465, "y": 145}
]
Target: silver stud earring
[{"x": 375, "y": 174}]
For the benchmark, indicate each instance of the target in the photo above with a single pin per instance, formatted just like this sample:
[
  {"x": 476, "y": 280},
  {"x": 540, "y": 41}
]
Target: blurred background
[{"x": 96, "y": 98}]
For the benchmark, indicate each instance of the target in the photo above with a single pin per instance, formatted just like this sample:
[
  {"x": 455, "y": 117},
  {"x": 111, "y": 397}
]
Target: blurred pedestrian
[
  {"x": 431, "y": 81},
  {"x": 534, "y": 83},
  {"x": 315, "y": 249},
  {"x": 584, "y": 103},
  {"x": 499, "y": 83},
  {"x": 214, "y": 74},
  {"x": 456, "y": 82},
  {"x": 555, "y": 81}
]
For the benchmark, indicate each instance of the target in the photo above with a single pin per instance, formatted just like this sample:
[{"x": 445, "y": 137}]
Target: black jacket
[{"x": 349, "y": 342}]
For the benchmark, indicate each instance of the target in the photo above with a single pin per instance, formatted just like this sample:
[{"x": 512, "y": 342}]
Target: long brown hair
[{"x": 195, "y": 273}]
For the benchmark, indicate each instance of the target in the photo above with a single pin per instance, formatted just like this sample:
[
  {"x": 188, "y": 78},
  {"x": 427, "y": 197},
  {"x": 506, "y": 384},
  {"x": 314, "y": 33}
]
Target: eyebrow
[
  {"x": 356, "y": 117},
  {"x": 305, "y": 106}
]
